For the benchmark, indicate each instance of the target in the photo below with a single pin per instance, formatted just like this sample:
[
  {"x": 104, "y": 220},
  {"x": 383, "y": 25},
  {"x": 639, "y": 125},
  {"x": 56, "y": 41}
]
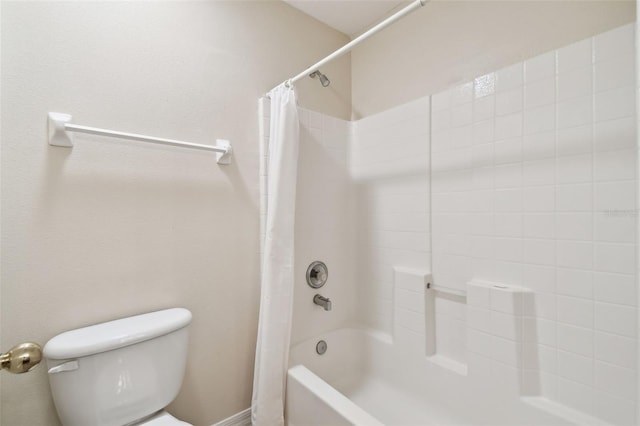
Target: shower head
[{"x": 323, "y": 78}]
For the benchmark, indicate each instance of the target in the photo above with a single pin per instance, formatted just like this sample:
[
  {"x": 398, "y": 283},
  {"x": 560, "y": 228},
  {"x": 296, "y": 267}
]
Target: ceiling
[{"x": 350, "y": 17}]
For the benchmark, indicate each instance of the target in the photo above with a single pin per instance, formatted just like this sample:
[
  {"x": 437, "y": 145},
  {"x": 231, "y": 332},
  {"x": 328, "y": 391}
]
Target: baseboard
[{"x": 243, "y": 418}]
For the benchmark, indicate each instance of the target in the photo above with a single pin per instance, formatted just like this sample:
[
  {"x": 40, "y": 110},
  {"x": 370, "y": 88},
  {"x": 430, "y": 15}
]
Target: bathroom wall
[
  {"x": 447, "y": 42},
  {"x": 115, "y": 228},
  {"x": 534, "y": 184},
  {"x": 324, "y": 214},
  {"x": 389, "y": 165},
  {"x": 531, "y": 173}
]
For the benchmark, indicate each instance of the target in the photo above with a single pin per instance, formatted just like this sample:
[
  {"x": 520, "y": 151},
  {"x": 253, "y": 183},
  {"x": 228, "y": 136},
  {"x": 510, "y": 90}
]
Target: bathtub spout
[{"x": 325, "y": 302}]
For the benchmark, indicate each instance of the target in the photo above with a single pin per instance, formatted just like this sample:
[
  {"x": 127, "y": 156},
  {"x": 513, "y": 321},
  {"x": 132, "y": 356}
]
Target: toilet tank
[{"x": 118, "y": 372}]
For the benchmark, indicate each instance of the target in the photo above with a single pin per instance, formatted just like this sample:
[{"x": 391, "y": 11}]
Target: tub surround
[{"x": 507, "y": 194}]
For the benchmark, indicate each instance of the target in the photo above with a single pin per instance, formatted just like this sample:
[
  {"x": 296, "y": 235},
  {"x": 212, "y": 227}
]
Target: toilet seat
[{"x": 163, "y": 419}]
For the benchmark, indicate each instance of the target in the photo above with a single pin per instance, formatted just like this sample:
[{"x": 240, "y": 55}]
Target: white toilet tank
[{"x": 118, "y": 372}]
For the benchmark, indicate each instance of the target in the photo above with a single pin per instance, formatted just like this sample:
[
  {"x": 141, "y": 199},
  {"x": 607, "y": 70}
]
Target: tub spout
[{"x": 325, "y": 302}]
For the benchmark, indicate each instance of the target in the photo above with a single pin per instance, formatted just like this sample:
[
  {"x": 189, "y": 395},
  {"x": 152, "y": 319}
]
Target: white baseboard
[{"x": 243, "y": 418}]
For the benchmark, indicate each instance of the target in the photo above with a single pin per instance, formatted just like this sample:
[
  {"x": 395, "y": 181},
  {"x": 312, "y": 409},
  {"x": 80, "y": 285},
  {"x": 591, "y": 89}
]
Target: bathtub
[{"x": 364, "y": 379}]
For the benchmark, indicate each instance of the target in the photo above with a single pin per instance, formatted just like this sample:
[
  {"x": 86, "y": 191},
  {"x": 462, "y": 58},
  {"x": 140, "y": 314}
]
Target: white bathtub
[{"x": 363, "y": 379}]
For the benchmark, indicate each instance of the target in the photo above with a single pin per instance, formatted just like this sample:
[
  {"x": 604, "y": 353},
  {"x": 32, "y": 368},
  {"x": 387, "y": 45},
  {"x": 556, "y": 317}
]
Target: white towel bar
[{"x": 60, "y": 128}]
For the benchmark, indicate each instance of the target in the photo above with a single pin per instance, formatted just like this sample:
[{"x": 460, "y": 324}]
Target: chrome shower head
[{"x": 323, "y": 78}]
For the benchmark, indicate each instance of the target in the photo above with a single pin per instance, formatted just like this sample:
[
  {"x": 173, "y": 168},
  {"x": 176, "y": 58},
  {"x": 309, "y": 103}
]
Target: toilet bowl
[{"x": 120, "y": 373}]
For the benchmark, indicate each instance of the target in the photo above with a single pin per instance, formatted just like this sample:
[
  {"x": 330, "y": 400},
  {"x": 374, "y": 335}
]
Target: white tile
[
  {"x": 506, "y": 300},
  {"x": 575, "y": 169},
  {"x": 615, "y": 288},
  {"x": 483, "y": 178},
  {"x": 441, "y": 120},
  {"x": 509, "y": 102},
  {"x": 510, "y": 77},
  {"x": 462, "y": 115},
  {"x": 615, "y": 165},
  {"x": 315, "y": 120},
  {"x": 538, "y": 146},
  {"x": 615, "y": 134},
  {"x": 508, "y": 200},
  {"x": 482, "y": 224},
  {"x": 483, "y": 132},
  {"x": 540, "y": 67},
  {"x": 506, "y": 351},
  {"x": 617, "y": 42},
  {"x": 484, "y": 108},
  {"x": 575, "y": 311},
  {"x": 507, "y": 176},
  {"x": 505, "y": 378},
  {"x": 575, "y": 367},
  {"x": 507, "y": 225},
  {"x": 615, "y": 228},
  {"x": 540, "y": 172},
  {"x": 541, "y": 119},
  {"x": 574, "y": 197},
  {"x": 539, "y": 252},
  {"x": 617, "y": 350},
  {"x": 574, "y": 226},
  {"x": 575, "y": 83},
  {"x": 461, "y": 137},
  {"x": 482, "y": 155},
  {"x": 462, "y": 94},
  {"x": 441, "y": 101},
  {"x": 575, "y": 140},
  {"x": 411, "y": 320},
  {"x": 506, "y": 326},
  {"x": 574, "y": 56},
  {"x": 614, "y": 410},
  {"x": 539, "y": 225},
  {"x": 541, "y": 92},
  {"x": 539, "y": 199},
  {"x": 614, "y": 73},
  {"x": 575, "y": 112},
  {"x": 539, "y": 330},
  {"x": 615, "y": 104},
  {"x": 575, "y": 254},
  {"x": 614, "y": 196},
  {"x": 408, "y": 300},
  {"x": 479, "y": 319},
  {"x": 617, "y": 319},
  {"x": 508, "y": 126},
  {"x": 616, "y": 380},
  {"x": 620, "y": 258},
  {"x": 538, "y": 278},
  {"x": 539, "y": 357},
  {"x": 574, "y": 282},
  {"x": 482, "y": 246},
  {"x": 508, "y": 249},
  {"x": 479, "y": 296},
  {"x": 484, "y": 85},
  {"x": 574, "y": 339},
  {"x": 508, "y": 272},
  {"x": 576, "y": 395},
  {"x": 479, "y": 342},
  {"x": 508, "y": 151}
]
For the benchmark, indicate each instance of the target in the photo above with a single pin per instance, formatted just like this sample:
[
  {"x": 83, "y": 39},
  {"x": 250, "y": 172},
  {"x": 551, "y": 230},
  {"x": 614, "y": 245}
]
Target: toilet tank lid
[{"x": 116, "y": 334}]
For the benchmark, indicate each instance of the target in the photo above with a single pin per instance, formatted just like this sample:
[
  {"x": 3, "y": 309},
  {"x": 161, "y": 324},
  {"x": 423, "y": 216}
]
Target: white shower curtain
[{"x": 276, "y": 302}]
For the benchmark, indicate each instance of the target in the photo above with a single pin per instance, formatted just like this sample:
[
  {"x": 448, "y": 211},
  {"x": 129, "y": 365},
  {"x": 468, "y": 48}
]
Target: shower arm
[{"x": 347, "y": 47}]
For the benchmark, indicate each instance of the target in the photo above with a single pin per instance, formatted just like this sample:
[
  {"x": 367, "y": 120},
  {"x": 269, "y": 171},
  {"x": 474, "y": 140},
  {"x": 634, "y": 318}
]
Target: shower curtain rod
[{"x": 347, "y": 47}]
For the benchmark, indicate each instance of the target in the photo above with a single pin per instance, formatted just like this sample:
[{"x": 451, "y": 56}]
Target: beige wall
[
  {"x": 450, "y": 41},
  {"x": 113, "y": 228}
]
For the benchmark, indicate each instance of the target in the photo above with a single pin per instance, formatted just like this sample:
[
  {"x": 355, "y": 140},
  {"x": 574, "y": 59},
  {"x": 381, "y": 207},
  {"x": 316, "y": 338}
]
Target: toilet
[{"x": 122, "y": 372}]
